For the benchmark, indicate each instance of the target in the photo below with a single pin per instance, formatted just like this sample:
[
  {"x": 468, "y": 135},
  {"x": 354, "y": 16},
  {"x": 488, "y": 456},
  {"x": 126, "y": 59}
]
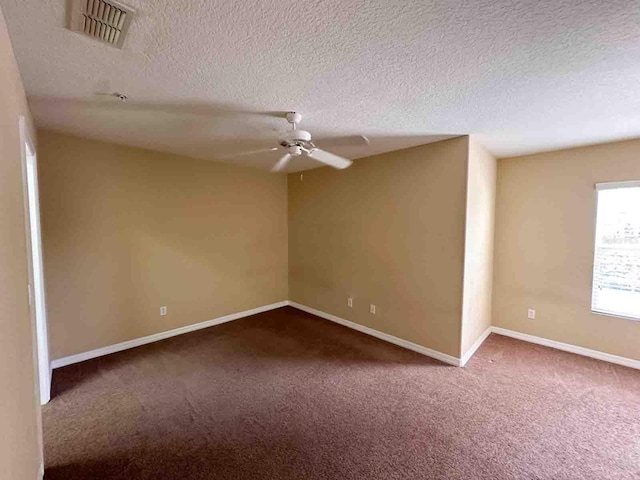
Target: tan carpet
[{"x": 286, "y": 395}]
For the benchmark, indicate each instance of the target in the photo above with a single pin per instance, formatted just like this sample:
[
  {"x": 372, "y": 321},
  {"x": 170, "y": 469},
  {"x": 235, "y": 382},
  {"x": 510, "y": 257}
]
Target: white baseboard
[
  {"x": 41, "y": 471},
  {"x": 381, "y": 335},
  {"x": 567, "y": 347},
  {"x": 476, "y": 345},
  {"x": 451, "y": 360},
  {"x": 118, "y": 347}
]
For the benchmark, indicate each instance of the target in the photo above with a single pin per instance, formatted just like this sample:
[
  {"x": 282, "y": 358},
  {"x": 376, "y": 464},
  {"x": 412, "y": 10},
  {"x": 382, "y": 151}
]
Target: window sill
[{"x": 616, "y": 315}]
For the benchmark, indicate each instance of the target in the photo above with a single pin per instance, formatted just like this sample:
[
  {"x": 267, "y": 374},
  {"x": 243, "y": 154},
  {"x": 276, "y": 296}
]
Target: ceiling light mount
[{"x": 293, "y": 118}]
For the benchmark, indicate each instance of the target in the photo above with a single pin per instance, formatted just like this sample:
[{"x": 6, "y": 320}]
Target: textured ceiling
[{"x": 526, "y": 76}]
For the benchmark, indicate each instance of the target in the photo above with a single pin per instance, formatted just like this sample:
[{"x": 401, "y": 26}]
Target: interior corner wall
[
  {"x": 545, "y": 229},
  {"x": 20, "y": 452},
  {"x": 388, "y": 231},
  {"x": 126, "y": 231},
  {"x": 479, "y": 240}
]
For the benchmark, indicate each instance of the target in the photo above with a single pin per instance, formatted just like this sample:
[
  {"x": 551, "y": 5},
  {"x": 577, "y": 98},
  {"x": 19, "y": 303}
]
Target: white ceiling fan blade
[
  {"x": 350, "y": 141},
  {"x": 329, "y": 158},
  {"x": 251, "y": 152},
  {"x": 281, "y": 163}
]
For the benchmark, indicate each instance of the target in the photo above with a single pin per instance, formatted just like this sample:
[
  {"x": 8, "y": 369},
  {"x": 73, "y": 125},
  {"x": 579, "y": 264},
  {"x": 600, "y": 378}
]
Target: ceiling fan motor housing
[{"x": 295, "y": 138}]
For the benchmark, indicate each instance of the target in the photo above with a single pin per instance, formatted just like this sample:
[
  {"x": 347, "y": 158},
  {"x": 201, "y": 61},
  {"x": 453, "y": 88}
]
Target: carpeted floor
[{"x": 286, "y": 395}]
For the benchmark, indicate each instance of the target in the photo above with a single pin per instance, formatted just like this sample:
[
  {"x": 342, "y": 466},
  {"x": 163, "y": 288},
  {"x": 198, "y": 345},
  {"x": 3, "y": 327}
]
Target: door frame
[{"x": 36, "y": 286}]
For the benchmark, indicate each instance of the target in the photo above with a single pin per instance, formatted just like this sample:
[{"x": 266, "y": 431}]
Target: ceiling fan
[{"x": 297, "y": 142}]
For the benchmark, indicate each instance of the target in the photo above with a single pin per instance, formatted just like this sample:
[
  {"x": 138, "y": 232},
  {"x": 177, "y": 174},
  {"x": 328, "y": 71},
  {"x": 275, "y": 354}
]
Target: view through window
[{"x": 616, "y": 266}]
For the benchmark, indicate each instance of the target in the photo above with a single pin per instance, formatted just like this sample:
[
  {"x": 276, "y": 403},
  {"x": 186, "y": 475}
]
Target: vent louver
[{"x": 106, "y": 21}]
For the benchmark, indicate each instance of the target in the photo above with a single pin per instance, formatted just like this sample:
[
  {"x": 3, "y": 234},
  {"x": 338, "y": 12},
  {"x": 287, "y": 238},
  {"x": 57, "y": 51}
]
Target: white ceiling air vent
[{"x": 106, "y": 21}]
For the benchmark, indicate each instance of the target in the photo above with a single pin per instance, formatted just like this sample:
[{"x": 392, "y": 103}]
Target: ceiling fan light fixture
[{"x": 295, "y": 150}]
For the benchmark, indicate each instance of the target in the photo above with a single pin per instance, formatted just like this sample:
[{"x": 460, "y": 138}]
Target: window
[{"x": 616, "y": 264}]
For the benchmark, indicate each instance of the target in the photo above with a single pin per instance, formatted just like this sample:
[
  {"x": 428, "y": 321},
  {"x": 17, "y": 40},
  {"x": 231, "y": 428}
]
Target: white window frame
[{"x": 599, "y": 187}]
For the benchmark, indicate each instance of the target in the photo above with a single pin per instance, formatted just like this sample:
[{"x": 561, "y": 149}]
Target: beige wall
[
  {"x": 478, "y": 254},
  {"x": 19, "y": 411},
  {"x": 544, "y": 245},
  {"x": 126, "y": 231},
  {"x": 389, "y": 231}
]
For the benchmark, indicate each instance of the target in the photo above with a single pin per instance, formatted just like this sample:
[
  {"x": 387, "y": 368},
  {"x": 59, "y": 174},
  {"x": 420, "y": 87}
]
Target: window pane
[{"x": 616, "y": 269}]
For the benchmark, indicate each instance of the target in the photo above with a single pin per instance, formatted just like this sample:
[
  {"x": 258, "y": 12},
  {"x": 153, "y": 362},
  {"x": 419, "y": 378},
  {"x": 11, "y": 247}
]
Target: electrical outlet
[
  {"x": 531, "y": 314},
  {"x": 372, "y": 309},
  {"x": 350, "y": 302},
  {"x": 163, "y": 311}
]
